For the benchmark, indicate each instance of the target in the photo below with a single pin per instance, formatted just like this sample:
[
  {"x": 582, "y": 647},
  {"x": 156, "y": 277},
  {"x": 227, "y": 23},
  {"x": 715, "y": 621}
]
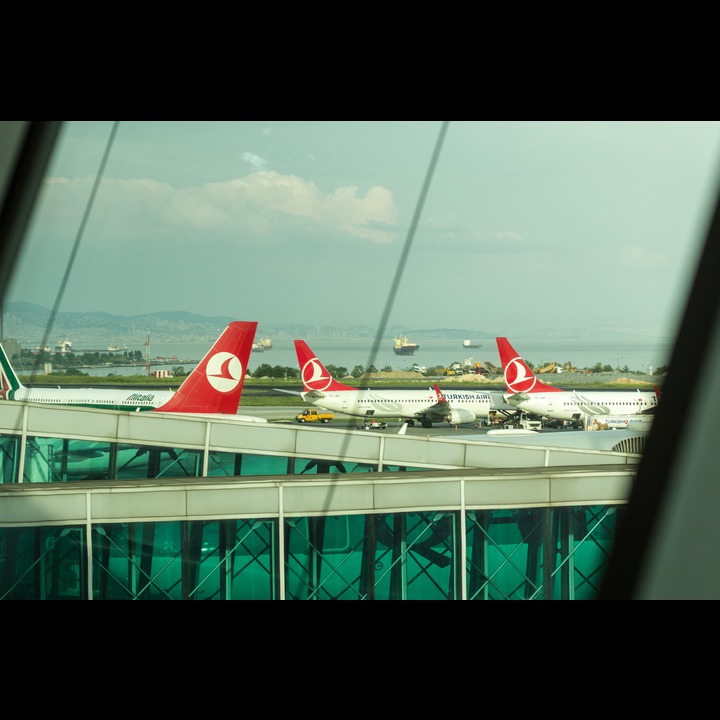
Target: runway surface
[{"x": 286, "y": 414}]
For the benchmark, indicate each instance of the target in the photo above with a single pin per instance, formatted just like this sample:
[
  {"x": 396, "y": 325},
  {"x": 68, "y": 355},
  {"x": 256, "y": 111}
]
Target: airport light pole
[{"x": 618, "y": 365}]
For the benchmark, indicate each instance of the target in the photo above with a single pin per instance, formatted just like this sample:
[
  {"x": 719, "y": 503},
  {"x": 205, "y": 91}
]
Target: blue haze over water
[{"x": 638, "y": 354}]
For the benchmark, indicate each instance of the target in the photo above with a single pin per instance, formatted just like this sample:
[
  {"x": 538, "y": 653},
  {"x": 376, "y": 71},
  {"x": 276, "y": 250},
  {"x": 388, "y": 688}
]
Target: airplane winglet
[{"x": 289, "y": 392}]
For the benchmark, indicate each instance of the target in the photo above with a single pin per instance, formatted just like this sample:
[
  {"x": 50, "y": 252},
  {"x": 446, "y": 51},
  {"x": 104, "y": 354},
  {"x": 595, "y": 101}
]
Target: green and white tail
[{"x": 9, "y": 381}]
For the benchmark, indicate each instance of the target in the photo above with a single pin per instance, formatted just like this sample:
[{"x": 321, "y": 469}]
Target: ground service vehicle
[
  {"x": 478, "y": 368},
  {"x": 314, "y": 415},
  {"x": 523, "y": 424},
  {"x": 553, "y": 367},
  {"x": 453, "y": 369},
  {"x": 372, "y": 425}
]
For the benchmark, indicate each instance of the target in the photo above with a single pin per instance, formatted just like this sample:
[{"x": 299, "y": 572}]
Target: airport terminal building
[{"x": 114, "y": 505}]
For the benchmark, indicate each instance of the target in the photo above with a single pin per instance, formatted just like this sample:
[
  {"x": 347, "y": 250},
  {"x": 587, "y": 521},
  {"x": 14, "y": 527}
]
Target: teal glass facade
[
  {"x": 196, "y": 509},
  {"x": 528, "y": 554}
]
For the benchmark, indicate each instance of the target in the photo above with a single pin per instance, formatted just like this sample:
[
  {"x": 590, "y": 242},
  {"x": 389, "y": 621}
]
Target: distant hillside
[{"x": 27, "y": 323}]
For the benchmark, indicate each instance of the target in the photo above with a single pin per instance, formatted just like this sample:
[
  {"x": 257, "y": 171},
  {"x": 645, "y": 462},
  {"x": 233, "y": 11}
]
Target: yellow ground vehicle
[
  {"x": 454, "y": 369},
  {"x": 551, "y": 368},
  {"x": 314, "y": 415}
]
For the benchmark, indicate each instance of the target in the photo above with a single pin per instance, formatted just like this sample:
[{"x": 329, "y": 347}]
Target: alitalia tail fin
[
  {"x": 315, "y": 377},
  {"x": 9, "y": 381},
  {"x": 519, "y": 378},
  {"x": 216, "y": 383}
]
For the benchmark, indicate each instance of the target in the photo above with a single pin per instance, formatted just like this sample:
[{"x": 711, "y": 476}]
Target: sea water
[{"x": 641, "y": 355}]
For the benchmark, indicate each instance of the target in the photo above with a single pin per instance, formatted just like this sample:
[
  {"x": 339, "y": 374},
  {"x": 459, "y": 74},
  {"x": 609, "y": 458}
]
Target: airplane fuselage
[
  {"x": 460, "y": 406},
  {"x": 109, "y": 399},
  {"x": 574, "y": 405}
]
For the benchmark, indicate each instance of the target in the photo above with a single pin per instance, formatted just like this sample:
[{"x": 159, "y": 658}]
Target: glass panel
[
  {"x": 238, "y": 560},
  {"x": 43, "y": 563},
  {"x": 137, "y": 561},
  {"x": 199, "y": 560},
  {"x": 66, "y": 460},
  {"x": 590, "y": 536},
  {"x": 314, "y": 466},
  {"x": 383, "y": 557},
  {"x": 9, "y": 452},
  {"x": 226, "y": 464},
  {"x": 519, "y": 554},
  {"x": 150, "y": 462}
]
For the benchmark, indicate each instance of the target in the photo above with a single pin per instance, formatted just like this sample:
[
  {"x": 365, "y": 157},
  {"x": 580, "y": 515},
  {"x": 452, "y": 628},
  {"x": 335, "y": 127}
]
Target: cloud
[
  {"x": 255, "y": 160},
  {"x": 255, "y": 206},
  {"x": 508, "y": 236}
]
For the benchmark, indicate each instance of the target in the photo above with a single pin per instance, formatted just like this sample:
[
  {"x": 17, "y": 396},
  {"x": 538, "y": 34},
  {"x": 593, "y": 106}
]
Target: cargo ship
[
  {"x": 471, "y": 344},
  {"x": 403, "y": 346},
  {"x": 262, "y": 345}
]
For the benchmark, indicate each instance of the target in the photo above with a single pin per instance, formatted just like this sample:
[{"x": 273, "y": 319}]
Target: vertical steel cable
[{"x": 76, "y": 245}]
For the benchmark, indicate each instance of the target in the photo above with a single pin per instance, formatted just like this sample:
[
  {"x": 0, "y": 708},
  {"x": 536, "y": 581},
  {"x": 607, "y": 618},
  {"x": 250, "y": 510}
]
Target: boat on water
[
  {"x": 262, "y": 345},
  {"x": 117, "y": 348},
  {"x": 402, "y": 346},
  {"x": 471, "y": 344}
]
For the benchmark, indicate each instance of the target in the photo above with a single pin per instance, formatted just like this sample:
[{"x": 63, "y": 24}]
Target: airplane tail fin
[
  {"x": 315, "y": 376},
  {"x": 439, "y": 395},
  {"x": 9, "y": 381},
  {"x": 216, "y": 383},
  {"x": 519, "y": 378}
]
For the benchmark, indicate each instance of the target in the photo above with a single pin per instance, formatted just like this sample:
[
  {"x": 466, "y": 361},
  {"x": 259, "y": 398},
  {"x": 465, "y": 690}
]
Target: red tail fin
[
  {"x": 216, "y": 384},
  {"x": 313, "y": 373},
  {"x": 439, "y": 395},
  {"x": 518, "y": 376}
]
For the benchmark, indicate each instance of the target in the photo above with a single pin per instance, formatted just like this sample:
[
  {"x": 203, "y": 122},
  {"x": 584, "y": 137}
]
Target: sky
[{"x": 527, "y": 227}]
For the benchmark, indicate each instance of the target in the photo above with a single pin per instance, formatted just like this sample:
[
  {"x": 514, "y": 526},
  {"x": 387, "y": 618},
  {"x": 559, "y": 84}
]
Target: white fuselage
[
  {"x": 573, "y": 405},
  {"x": 109, "y": 399},
  {"x": 410, "y": 403}
]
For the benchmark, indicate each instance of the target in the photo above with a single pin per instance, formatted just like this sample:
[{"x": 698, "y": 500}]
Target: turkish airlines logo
[
  {"x": 519, "y": 377},
  {"x": 314, "y": 375},
  {"x": 224, "y": 371}
]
